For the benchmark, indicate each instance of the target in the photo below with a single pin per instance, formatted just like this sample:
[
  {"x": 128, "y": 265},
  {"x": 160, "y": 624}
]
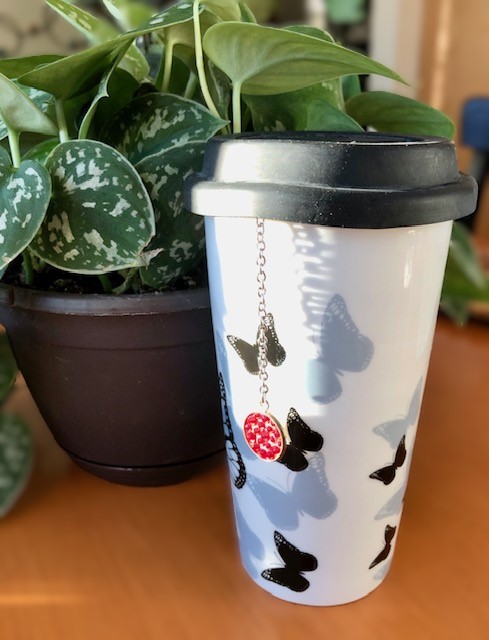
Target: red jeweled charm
[{"x": 264, "y": 436}]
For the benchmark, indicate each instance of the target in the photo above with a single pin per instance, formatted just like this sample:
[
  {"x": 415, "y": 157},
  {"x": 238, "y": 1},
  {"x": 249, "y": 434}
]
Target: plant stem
[
  {"x": 62, "y": 124},
  {"x": 237, "y": 107},
  {"x": 191, "y": 86},
  {"x": 127, "y": 282},
  {"x": 199, "y": 60},
  {"x": 27, "y": 266},
  {"x": 13, "y": 139},
  {"x": 167, "y": 67},
  {"x": 105, "y": 282}
]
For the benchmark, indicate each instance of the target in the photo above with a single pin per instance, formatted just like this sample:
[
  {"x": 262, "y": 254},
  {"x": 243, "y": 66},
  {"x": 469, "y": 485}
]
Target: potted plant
[{"x": 99, "y": 257}]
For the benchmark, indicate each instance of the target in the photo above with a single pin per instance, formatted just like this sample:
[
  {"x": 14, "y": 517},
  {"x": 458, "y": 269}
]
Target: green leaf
[
  {"x": 179, "y": 233},
  {"x": 176, "y": 14},
  {"x": 16, "y": 67},
  {"x": 76, "y": 74},
  {"x": 100, "y": 218},
  {"x": 220, "y": 88},
  {"x": 307, "y": 30},
  {"x": 19, "y": 112},
  {"x": 247, "y": 14},
  {"x": 128, "y": 13},
  {"x": 99, "y": 31},
  {"x": 16, "y": 460},
  {"x": 351, "y": 87},
  {"x": 8, "y": 367},
  {"x": 309, "y": 109},
  {"x": 102, "y": 93},
  {"x": 462, "y": 251},
  {"x": 266, "y": 61},
  {"x": 121, "y": 89},
  {"x": 386, "y": 111},
  {"x": 24, "y": 199},
  {"x": 41, "y": 99},
  {"x": 40, "y": 152},
  {"x": 224, "y": 9},
  {"x": 158, "y": 121}
]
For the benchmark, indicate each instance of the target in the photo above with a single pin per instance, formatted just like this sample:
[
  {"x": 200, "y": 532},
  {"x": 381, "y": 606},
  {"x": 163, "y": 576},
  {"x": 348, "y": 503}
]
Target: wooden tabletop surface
[{"x": 84, "y": 559}]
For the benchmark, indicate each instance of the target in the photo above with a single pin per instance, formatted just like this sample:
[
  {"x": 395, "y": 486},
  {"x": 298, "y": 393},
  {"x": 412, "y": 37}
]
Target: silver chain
[{"x": 262, "y": 313}]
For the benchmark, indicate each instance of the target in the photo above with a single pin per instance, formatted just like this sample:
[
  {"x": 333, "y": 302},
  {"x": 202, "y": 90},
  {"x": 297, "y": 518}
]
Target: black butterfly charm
[
  {"x": 236, "y": 464},
  {"x": 387, "y": 474},
  {"x": 341, "y": 348},
  {"x": 296, "y": 562},
  {"x": 389, "y": 534},
  {"x": 249, "y": 352},
  {"x": 302, "y": 439}
]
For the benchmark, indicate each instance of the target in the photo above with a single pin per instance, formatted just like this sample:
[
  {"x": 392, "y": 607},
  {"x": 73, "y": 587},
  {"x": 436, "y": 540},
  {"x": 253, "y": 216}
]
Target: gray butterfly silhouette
[
  {"x": 383, "y": 571},
  {"x": 309, "y": 494},
  {"x": 341, "y": 348},
  {"x": 394, "y": 430}
]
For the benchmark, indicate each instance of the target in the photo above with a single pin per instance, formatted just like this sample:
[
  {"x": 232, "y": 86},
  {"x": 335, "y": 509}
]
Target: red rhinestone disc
[{"x": 264, "y": 436}]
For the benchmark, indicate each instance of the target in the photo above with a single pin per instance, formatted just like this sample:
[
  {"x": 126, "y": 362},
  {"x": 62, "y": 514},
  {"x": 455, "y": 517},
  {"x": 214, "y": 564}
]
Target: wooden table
[{"x": 84, "y": 559}]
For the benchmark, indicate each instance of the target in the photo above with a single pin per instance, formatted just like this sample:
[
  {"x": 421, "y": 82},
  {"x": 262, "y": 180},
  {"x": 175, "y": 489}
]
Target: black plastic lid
[{"x": 353, "y": 180}]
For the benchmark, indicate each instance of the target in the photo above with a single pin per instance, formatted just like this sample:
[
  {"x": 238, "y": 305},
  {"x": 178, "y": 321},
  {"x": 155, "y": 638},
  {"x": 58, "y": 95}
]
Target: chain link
[{"x": 262, "y": 313}]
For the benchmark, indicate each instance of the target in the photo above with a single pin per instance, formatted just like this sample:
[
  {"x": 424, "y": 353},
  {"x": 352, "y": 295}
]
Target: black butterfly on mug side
[
  {"x": 389, "y": 534},
  {"x": 387, "y": 474},
  {"x": 236, "y": 463},
  {"x": 301, "y": 440},
  {"x": 249, "y": 352},
  {"x": 296, "y": 563}
]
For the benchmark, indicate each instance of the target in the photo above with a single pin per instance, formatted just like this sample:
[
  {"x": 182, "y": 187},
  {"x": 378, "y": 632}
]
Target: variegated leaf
[
  {"x": 179, "y": 233},
  {"x": 155, "y": 122},
  {"x": 175, "y": 14},
  {"x": 129, "y": 14},
  {"x": 98, "y": 31},
  {"x": 24, "y": 199},
  {"x": 22, "y": 109},
  {"x": 100, "y": 218},
  {"x": 16, "y": 459}
]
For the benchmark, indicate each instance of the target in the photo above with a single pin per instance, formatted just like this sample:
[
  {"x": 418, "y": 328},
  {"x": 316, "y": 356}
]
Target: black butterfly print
[
  {"x": 236, "y": 464},
  {"x": 341, "y": 348},
  {"x": 296, "y": 562},
  {"x": 303, "y": 439},
  {"x": 249, "y": 352},
  {"x": 389, "y": 534},
  {"x": 387, "y": 474}
]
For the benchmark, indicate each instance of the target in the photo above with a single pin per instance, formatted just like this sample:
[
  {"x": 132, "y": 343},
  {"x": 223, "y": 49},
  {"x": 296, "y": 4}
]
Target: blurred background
[{"x": 438, "y": 45}]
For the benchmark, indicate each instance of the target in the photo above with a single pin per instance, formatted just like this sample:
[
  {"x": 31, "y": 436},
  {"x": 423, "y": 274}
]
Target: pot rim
[{"x": 93, "y": 304}]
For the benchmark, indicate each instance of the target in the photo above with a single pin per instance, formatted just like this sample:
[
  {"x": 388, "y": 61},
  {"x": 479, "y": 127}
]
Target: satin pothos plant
[{"x": 114, "y": 130}]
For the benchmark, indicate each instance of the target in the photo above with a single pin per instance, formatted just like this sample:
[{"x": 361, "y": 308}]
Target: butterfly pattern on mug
[
  {"x": 393, "y": 430},
  {"x": 387, "y": 474},
  {"x": 249, "y": 352},
  {"x": 309, "y": 494},
  {"x": 237, "y": 466},
  {"x": 341, "y": 348},
  {"x": 296, "y": 564},
  {"x": 389, "y": 534},
  {"x": 302, "y": 439}
]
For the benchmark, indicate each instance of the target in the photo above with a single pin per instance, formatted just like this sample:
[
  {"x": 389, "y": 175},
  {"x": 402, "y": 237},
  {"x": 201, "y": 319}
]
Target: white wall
[{"x": 396, "y": 38}]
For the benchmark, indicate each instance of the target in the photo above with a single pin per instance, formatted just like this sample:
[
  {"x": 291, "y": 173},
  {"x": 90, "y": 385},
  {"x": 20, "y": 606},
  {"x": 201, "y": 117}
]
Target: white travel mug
[{"x": 323, "y": 346}]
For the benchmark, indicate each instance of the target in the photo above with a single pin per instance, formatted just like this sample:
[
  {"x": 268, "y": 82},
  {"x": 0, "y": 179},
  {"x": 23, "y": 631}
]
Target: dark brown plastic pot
[{"x": 127, "y": 384}]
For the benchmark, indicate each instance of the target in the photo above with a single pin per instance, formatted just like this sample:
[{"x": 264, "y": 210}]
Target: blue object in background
[{"x": 475, "y": 124}]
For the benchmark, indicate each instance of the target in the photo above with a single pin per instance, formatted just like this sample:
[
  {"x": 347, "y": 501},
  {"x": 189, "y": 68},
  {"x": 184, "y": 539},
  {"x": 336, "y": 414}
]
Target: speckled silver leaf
[
  {"x": 22, "y": 109},
  {"x": 100, "y": 217},
  {"x": 176, "y": 14},
  {"x": 98, "y": 31},
  {"x": 179, "y": 233},
  {"x": 16, "y": 458},
  {"x": 24, "y": 199},
  {"x": 158, "y": 121},
  {"x": 8, "y": 367}
]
